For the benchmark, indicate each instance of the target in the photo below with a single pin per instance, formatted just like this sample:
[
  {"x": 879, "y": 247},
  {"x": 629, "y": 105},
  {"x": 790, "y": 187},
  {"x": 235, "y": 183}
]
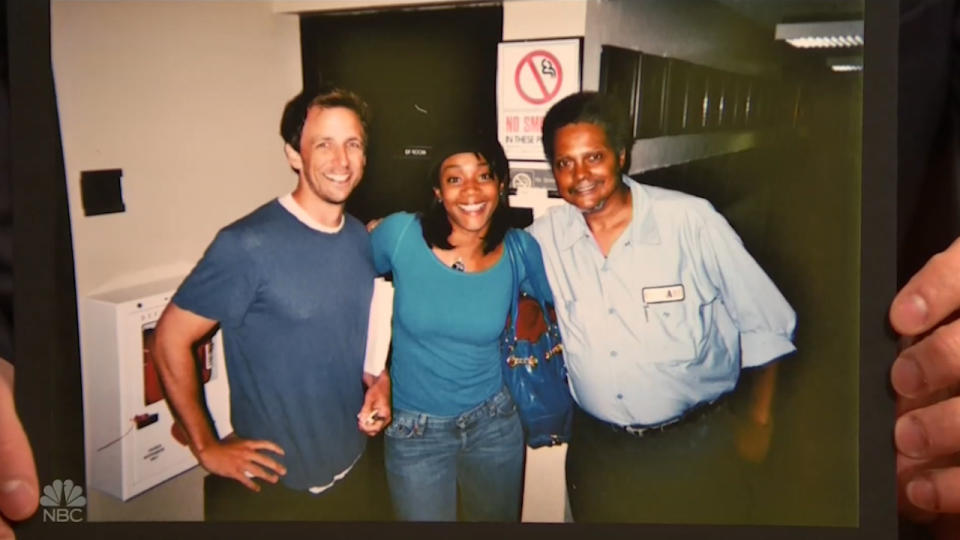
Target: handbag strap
[
  {"x": 518, "y": 256},
  {"x": 510, "y": 244}
]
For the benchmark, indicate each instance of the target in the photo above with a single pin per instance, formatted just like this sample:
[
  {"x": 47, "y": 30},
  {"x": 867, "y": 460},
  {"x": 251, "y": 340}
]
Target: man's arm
[
  {"x": 753, "y": 438},
  {"x": 375, "y": 413},
  {"x": 240, "y": 459},
  {"x": 925, "y": 376},
  {"x": 754, "y": 302},
  {"x": 19, "y": 491},
  {"x": 765, "y": 320}
]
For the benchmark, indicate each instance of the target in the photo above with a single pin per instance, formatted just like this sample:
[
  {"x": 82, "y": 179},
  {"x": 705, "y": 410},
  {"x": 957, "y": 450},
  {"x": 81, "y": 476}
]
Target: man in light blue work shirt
[{"x": 660, "y": 307}]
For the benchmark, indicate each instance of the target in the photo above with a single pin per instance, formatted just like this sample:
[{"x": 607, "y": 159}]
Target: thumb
[{"x": 18, "y": 475}]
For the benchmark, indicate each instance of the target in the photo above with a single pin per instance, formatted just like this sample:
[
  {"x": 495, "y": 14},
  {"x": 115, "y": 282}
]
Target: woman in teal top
[{"x": 455, "y": 428}]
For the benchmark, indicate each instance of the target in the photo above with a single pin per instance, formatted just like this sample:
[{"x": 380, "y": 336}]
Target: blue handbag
[{"x": 532, "y": 353}]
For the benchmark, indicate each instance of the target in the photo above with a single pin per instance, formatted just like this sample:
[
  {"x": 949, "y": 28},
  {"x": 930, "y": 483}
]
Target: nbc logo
[{"x": 63, "y": 502}]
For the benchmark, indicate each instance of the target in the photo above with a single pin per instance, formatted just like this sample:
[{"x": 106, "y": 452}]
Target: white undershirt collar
[{"x": 291, "y": 205}]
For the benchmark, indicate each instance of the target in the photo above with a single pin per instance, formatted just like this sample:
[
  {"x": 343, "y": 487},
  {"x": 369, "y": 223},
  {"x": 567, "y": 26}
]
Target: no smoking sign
[
  {"x": 531, "y": 77},
  {"x": 538, "y": 77}
]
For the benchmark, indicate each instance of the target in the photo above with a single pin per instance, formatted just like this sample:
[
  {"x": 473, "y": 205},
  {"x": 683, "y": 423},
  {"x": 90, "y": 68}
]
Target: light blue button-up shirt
[{"x": 669, "y": 317}]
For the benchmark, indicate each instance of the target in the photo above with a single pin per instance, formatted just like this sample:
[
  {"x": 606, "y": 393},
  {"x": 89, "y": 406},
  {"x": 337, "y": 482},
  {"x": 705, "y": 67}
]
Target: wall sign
[
  {"x": 531, "y": 174},
  {"x": 538, "y": 77},
  {"x": 531, "y": 77}
]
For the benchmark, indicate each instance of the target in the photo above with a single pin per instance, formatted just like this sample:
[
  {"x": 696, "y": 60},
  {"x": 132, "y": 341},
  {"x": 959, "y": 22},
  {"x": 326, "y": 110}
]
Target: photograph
[{"x": 681, "y": 187}]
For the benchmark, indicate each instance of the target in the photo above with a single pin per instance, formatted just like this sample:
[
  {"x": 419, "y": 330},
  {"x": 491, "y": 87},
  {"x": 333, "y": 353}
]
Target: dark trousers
[
  {"x": 688, "y": 474},
  {"x": 361, "y": 496}
]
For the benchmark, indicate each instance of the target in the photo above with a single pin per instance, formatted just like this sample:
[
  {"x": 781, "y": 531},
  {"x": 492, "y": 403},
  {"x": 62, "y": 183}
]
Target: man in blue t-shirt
[{"x": 290, "y": 286}]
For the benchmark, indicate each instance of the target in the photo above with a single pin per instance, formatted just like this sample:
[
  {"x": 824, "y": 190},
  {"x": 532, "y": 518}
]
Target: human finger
[
  {"x": 386, "y": 415},
  {"x": 252, "y": 470},
  {"x": 371, "y": 429},
  {"x": 370, "y": 421},
  {"x": 930, "y": 364},
  {"x": 936, "y": 490},
  {"x": 247, "y": 482},
  {"x": 368, "y": 410},
  {"x": 19, "y": 493},
  {"x": 932, "y": 294},
  {"x": 368, "y": 415},
  {"x": 379, "y": 401},
  {"x": 930, "y": 431},
  {"x": 366, "y": 429},
  {"x": 268, "y": 462},
  {"x": 264, "y": 445},
  {"x": 907, "y": 469},
  {"x": 372, "y": 224},
  {"x": 6, "y": 533},
  {"x": 239, "y": 469}
]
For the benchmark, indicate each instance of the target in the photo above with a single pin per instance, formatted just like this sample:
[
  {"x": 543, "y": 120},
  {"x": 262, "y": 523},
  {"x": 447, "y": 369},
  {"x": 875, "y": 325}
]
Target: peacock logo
[{"x": 63, "y": 502}]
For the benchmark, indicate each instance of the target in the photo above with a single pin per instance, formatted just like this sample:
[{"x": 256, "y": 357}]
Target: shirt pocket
[{"x": 671, "y": 331}]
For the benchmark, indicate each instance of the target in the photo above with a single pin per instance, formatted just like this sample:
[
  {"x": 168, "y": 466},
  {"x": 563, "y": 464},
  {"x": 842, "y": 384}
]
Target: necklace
[{"x": 458, "y": 265}]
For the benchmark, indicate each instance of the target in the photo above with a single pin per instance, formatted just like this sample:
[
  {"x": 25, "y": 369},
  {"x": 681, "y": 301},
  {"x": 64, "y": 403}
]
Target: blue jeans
[{"x": 480, "y": 452}]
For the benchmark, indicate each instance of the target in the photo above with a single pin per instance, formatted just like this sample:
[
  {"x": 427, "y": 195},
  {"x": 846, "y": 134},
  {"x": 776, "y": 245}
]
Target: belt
[{"x": 692, "y": 415}]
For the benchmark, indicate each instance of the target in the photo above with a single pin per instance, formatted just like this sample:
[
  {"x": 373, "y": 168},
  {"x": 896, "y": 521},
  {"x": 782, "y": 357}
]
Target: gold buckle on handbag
[{"x": 514, "y": 361}]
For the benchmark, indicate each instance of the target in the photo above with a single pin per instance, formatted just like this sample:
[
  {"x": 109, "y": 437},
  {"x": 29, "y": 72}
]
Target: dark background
[{"x": 440, "y": 61}]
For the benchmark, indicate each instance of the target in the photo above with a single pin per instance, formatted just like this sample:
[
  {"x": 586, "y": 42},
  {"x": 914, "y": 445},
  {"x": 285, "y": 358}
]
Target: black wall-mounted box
[{"x": 101, "y": 192}]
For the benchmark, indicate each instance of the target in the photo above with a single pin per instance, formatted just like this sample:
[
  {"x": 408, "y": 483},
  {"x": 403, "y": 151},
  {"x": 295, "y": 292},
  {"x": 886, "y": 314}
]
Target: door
[{"x": 426, "y": 74}]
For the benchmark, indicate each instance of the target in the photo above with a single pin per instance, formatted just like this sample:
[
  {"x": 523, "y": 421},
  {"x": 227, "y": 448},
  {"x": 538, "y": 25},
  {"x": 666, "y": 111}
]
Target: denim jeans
[{"x": 480, "y": 452}]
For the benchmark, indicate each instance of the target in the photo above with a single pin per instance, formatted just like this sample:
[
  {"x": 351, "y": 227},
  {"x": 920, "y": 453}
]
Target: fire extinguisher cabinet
[{"x": 130, "y": 437}]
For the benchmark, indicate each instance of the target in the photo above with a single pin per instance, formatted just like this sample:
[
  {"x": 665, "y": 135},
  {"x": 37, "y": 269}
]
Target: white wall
[
  {"x": 186, "y": 98},
  {"x": 541, "y": 19}
]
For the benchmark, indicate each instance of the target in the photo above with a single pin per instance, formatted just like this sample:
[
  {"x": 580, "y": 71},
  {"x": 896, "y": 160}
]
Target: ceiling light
[
  {"x": 821, "y": 34},
  {"x": 846, "y": 63}
]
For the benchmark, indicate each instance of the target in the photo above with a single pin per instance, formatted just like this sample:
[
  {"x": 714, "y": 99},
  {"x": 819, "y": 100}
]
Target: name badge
[{"x": 658, "y": 295}]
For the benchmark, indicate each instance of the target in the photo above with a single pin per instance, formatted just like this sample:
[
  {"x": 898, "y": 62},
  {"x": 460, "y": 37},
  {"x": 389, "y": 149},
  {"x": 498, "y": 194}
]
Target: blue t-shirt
[
  {"x": 293, "y": 304},
  {"x": 446, "y": 324}
]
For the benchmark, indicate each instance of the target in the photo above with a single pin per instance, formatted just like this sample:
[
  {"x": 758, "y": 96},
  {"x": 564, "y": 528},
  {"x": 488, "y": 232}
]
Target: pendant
[{"x": 458, "y": 265}]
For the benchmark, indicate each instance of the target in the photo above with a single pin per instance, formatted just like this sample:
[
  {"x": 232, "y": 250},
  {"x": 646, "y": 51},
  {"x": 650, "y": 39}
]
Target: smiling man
[
  {"x": 660, "y": 307},
  {"x": 290, "y": 286}
]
